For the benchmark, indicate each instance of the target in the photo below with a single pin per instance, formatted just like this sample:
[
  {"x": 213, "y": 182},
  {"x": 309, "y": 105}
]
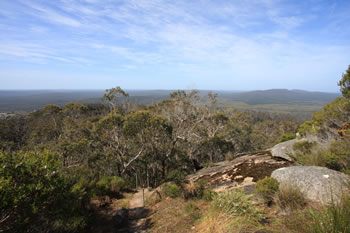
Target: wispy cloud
[{"x": 197, "y": 38}]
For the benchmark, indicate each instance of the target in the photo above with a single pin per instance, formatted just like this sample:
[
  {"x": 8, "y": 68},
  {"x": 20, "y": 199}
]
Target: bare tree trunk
[{"x": 147, "y": 177}]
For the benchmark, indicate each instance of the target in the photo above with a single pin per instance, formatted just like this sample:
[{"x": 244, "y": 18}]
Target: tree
[
  {"x": 113, "y": 96},
  {"x": 344, "y": 84}
]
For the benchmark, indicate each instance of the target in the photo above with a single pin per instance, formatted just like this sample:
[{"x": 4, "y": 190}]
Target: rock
[
  {"x": 282, "y": 150},
  {"x": 243, "y": 171},
  {"x": 319, "y": 184},
  {"x": 121, "y": 217}
]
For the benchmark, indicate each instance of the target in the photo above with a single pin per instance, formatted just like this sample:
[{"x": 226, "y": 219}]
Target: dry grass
[
  {"x": 171, "y": 215},
  {"x": 290, "y": 197}
]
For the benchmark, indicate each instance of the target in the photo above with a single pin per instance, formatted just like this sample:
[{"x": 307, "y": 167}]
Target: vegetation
[
  {"x": 335, "y": 157},
  {"x": 35, "y": 197},
  {"x": 287, "y": 137},
  {"x": 171, "y": 190},
  {"x": 332, "y": 218},
  {"x": 290, "y": 197},
  {"x": 344, "y": 84},
  {"x": 54, "y": 161},
  {"x": 267, "y": 188},
  {"x": 234, "y": 203}
]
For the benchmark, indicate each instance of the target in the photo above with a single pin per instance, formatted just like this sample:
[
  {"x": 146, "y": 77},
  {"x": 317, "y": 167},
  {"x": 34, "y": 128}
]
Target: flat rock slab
[
  {"x": 282, "y": 150},
  {"x": 317, "y": 183},
  {"x": 239, "y": 172}
]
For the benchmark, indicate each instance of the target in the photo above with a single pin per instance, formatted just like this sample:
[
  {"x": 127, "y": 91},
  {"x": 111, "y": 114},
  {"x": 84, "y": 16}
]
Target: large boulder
[
  {"x": 243, "y": 171},
  {"x": 284, "y": 149},
  {"x": 317, "y": 183}
]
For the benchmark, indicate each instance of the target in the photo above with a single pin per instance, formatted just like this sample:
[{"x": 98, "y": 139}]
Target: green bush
[
  {"x": 287, "y": 136},
  {"x": 108, "y": 185},
  {"x": 331, "y": 218},
  {"x": 304, "y": 147},
  {"x": 234, "y": 203},
  {"x": 290, "y": 197},
  {"x": 336, "y": 157},
  {"x": 177, "y": 176},
  {"x": 36, "y": 197},
  {"x": 267, "y": 188},
  {"x": 171, "y": 190},
  {"x": 117, "y": 184}
]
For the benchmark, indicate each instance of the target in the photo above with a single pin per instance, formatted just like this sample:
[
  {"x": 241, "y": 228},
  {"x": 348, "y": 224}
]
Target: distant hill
[
  {"x": 30, "y": 100},
  {"x": 282, "y": 96}
]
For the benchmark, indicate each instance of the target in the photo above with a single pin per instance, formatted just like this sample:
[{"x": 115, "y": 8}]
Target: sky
[{"x": 167, "y": 44}]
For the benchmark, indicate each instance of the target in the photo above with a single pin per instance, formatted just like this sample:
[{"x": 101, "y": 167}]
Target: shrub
[
  {"x": 304, "y": 147},
  {"x": 36, "y": 197},
  {"x": 117, "y": 184},
  {"x": 108, "y": 185},
  {"x": 171, "y": 190},
  {"x": 336, "y": 157},
  {"x": 177, "y": 176},
  {"x": 290, "y": 197},
  {"x": 287, "y": 136},
  {"x": 198, "y": 190},
  {"x": 267, "y": 187},
  {"x": 234, "y": 202},
  {"x": 331, "y": 218}
]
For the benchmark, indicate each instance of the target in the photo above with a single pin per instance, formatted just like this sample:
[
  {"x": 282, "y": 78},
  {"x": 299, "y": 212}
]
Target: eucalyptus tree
[{"x": 114, "y": 98}]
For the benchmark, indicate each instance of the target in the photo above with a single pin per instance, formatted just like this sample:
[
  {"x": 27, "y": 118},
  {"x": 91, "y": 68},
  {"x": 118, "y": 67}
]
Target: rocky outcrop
[
  {"x": 284, "y": 149},
  {"x": 243, "y": 171},
  {"x": 317, "y": 183}
]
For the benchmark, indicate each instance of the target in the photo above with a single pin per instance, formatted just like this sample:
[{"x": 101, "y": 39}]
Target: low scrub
[
  {"x": 234, "y": 203},
  {"x": 287, "y": 136},
  {"x": 171, "y": 190},
  {"x": 290, "y": 197},
  {"x": 108, "y": 185},
  {"x": 198, "y": 190},
  {"x": 332, "y": 218},
  {"x": 177, "y": 176},
  {"x": 267, "y": 188},
  {"x": 304, "y": 147},
  {"x": 336, "y": 157}
]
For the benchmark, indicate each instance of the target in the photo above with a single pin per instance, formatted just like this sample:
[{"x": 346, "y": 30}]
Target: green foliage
[
  {"x": 344, "y": 83},
  {"x": 287, "y": 136},
  {"x": 113, "y": 96},
  {"x": 332, "y": 218},
  {"x": 331, "y": 117},
  {"x": 177, "y": 176},
  {"x": 35, "y": 197},
  {"x": 171, "y": 190},
  {"x": 336, "y": 157},
  {"x": 304, "y": 147},
  {"x": 290, "y": 197},
  {"x": 234, "y": 203},
  {"x": 267, "y": 188},
  {"x": 109, "y": 184}
]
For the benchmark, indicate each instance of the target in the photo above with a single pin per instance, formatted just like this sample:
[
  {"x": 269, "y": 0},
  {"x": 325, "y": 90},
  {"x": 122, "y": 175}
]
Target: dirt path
[{"x": 136, "y": 215}]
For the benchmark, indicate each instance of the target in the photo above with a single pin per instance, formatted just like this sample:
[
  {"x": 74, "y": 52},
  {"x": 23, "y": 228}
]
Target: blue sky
[{"x": 167, "y": 44}]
